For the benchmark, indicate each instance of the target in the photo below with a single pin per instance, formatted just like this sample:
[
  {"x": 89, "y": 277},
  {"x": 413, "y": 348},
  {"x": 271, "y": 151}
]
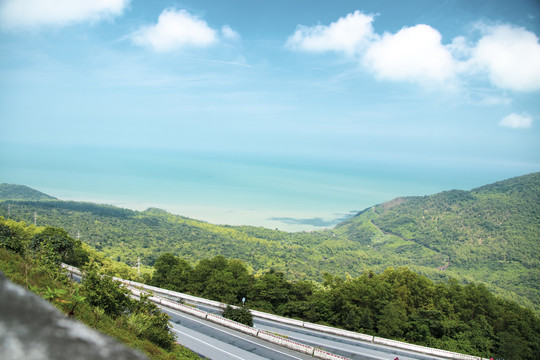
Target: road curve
[
  {"x": 300, "y": 336},
  {"x": 218, "y": 342},
  {"x": 349, "y": 348}
]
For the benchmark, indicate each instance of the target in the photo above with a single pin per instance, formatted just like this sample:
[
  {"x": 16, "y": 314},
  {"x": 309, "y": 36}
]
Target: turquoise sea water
[{"x": 290, "y": 193}]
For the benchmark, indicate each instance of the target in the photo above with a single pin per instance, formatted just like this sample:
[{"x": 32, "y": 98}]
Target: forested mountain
[
  {"x": 397, "y": 303},
  {"x": 21, "y": 192},
  {"x": 488, "y": 235}
]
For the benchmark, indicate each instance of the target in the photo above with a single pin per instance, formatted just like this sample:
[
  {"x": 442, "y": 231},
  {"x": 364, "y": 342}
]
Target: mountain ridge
[
  {"x": 21, "y": 192},
  {"x": 487, "y": 231},
  {"x": 488, "y": 234}
]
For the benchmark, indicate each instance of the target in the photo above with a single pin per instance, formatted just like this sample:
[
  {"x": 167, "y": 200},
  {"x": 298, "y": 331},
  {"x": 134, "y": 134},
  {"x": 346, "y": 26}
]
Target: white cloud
[
  {"x": 229, "y": 33},
  {"x": 25, "y": 14},
  {"x": 460, "y": 48},
  {"x": 349, "y": 35},
  {"x": 506, "y": 55},
  {"x": 175, "y": 29},
  {"x": 511, "y": 57},
  {"x": 516, "y": 121},
  {"x": 413, "y": 53}
]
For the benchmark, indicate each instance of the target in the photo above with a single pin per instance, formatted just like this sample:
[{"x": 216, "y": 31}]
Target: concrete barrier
[
  {"x": 184, "y": 308},
  {"x": 424, "y": 349},
  {"x": 176, "y": 294},
  {"x": 233, "y": 324},
  {"x": 171, "y": 304},
  {"x": 277, "y": 318},
  {"x": 72, "y": 269},
  {"x": 341, "y": 332},
  {"x": 306, "y": 349},
  {"x": 321, "y": 354}
]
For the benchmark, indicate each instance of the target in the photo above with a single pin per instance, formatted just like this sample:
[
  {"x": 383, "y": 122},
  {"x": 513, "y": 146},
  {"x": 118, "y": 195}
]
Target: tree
[
  {"x": 67, "y": 249},
  {"x": 221, "y": 279},
  {"x": 393, "y": 320},
  {"x": 103, "y": 292},
  {"x": 14, "y": 236},
  {"x": 9, "y": 241},
  {"x": 271, "y": 289},
  {"x": 172, "y": 272},
  {"x": 162, "y": 268}
]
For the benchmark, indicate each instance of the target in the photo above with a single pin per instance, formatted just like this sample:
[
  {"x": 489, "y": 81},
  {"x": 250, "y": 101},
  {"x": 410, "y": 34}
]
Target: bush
[
  {"x": 103, "y": 292},
  {"x": 241, "y": 315}
]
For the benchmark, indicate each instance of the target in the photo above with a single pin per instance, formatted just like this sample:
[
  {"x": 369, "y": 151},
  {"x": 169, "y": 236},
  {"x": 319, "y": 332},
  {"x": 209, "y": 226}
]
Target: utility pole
[
  {"x": 35, "y": 218},
  {"x": 138, "y": 266},
  {"x": 9, "y": 211},
  {"x": 78, "y": 235}
]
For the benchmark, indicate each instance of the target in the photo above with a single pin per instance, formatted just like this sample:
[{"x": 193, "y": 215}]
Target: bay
[{"x": 292, "y": 193}]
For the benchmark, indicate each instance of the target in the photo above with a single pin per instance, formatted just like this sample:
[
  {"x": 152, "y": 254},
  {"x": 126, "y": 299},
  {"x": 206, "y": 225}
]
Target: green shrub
[{"x": 241, "y": 315}]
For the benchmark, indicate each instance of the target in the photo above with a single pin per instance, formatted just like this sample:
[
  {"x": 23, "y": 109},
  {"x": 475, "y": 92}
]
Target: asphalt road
[
  {"x": 350, "y": 348},
  {"x": 217, "y": 342}
]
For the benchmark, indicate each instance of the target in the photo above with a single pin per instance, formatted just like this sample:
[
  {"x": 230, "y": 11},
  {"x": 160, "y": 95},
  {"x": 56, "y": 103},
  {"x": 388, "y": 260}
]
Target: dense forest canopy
[
  {"x": 488, "y": 235},
  {"x": 396, "y": 303}
]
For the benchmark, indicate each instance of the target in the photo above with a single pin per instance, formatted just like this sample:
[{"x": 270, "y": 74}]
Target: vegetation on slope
[
  {"x": 125, "y": 235},
  {"x": 490, "y": 234},
  {"x": 487, "y": 235},
  {"x": 21, "y": 192},
  {"x": 30, "y": 256},
  {"x": 397, "y": 304},
  {"x": 392, "y": 303}
]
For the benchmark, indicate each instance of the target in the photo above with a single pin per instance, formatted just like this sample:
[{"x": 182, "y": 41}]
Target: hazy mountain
[{"x": 21, "y": 192}]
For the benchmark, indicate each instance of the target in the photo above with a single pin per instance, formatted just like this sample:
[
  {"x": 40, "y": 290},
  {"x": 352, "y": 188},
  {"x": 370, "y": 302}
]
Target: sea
[{"x": 292, "y": 193}]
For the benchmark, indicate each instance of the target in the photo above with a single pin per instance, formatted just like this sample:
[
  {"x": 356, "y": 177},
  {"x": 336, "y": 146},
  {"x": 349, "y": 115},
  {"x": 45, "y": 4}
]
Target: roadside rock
[{"x": 32, "y": 329}]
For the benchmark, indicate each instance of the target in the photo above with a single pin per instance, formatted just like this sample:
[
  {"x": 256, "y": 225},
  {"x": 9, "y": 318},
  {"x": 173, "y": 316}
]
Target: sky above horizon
[{"x": 286, "y": 114}]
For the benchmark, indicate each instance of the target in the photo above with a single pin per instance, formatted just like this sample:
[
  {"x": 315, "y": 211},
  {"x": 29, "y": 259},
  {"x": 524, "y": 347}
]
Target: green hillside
[
  {"x": 21, "y": 192},
  {"x": 488, "y": 235},
  {"x": 125, "y": 235},
  {"x": 397, "y": 304}
]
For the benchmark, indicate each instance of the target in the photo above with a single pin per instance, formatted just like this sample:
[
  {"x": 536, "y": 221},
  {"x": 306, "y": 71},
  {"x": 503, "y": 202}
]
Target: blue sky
[{"x": 286, "y": 114}]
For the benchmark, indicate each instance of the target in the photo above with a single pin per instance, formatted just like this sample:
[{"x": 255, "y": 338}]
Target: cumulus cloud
[
  {"x": 349, "y": 35},
  {"x": 516, "y": 121},
  {"x": 414, "y": 53},
  {"x": 25, "y": 14},
  {"x": 510, "y": 56},
  {"x": 229, "y": 33},
  {"x": 175, "y": 29},
  {"x": 460, "y": 48},
  {"x": 507, "y": 56}
]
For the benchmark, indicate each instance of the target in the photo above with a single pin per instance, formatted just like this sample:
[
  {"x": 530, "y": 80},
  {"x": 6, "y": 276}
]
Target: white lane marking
[
  {"x": 207, "y": 344},
  {"x": 236, "y": 336}
]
